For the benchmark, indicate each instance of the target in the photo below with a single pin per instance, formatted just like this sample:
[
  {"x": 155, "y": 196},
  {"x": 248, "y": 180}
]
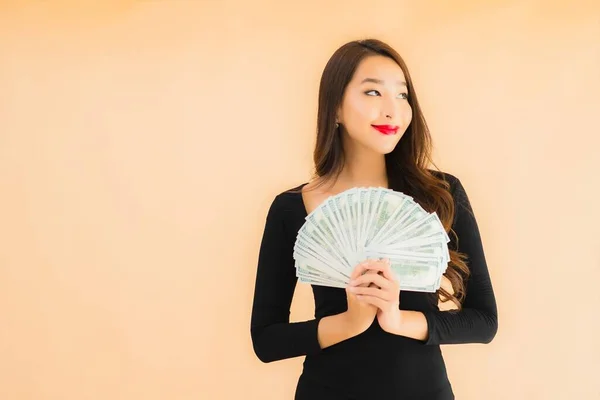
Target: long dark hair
[{"x": 407, "y": 165}]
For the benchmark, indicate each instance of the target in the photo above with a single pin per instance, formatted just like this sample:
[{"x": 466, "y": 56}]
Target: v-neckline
[{"x": 302, "y": 203}]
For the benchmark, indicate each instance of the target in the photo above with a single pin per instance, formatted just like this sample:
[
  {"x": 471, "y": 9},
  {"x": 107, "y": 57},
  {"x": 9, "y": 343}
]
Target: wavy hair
[{"x": 407, "y": 165}]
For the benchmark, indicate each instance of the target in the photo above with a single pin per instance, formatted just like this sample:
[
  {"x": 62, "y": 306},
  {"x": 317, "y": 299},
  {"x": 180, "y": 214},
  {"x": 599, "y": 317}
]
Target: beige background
[{"x": 142, "y": 142}]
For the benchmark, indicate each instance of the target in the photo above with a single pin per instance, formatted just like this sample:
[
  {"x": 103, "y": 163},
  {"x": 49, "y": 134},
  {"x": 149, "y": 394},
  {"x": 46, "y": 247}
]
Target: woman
[{"x": 371, "y": 341}]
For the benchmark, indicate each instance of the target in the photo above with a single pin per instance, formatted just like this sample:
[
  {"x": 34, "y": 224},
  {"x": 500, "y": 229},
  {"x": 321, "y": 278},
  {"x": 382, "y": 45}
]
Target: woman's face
[{"x": 376, "y": 96}]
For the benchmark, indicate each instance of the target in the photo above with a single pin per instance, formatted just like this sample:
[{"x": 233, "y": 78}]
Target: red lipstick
[{"x": 386, "y": 129}]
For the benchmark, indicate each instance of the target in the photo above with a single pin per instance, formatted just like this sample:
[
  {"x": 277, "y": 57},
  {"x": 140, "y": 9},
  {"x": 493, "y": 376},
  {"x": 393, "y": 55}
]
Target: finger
[
  {"x": 376, "y": 266},
  {"x": 371, "y": 291},
  {"x": 383, "y": 266},
  {"x": 387, "y": 271},
  {"x": 376, "y": 279},
  {"x": 362, "y": 268},
  {"x": 375, "y": 301},
  {"x": 359, "y": 269},
  {"x": 367, "y": 272}
]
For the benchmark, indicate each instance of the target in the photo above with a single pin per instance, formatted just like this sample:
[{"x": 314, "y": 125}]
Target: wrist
[
  {"x": 412, "y": 324},
  {"x": 333, "y": 329},
  {"x": 394, "y": 321},
  {"x": 349, "y": 325},
  {"x": 401, "y": 316}
]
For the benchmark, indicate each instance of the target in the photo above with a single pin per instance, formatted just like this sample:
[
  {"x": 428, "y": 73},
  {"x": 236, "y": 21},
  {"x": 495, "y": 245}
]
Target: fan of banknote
[{"x": 372, "y": 223}]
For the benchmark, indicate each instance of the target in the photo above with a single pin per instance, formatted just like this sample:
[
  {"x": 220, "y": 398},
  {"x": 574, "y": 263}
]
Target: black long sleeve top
[{"x": 374, "y": 364}]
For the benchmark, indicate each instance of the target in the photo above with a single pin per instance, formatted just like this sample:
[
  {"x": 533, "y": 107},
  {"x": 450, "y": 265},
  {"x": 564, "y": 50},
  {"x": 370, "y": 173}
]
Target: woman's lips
[{"x": 386, "y": 129}]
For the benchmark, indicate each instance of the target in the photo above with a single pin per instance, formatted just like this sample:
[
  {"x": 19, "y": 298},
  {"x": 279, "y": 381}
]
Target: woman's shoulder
[
  {"x": 288, "y": 199},
  {"x": 456, "y": 186},
  {"x": 291, "y": 193},
  {"x": 457, "y": 190},
  {"x": 446, "y": 176}
]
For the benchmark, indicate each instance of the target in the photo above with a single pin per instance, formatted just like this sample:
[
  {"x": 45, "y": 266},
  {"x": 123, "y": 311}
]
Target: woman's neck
[{"x": 365, "y": 170}]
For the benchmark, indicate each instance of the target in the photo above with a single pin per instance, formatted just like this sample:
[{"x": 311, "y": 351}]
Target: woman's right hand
[{"x": 359, "y": 315}]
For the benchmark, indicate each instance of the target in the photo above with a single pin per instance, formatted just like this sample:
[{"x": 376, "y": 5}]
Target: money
[{"x": 372, "y": 223}]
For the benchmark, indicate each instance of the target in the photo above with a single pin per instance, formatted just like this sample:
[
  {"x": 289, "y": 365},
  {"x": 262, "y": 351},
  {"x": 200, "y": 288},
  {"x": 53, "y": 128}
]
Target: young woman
[{"x": 371, "y": 341}]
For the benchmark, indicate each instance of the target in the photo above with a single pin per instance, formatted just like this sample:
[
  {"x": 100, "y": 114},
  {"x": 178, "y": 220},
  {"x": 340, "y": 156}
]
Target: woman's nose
[{"x": 389, "y": 108}]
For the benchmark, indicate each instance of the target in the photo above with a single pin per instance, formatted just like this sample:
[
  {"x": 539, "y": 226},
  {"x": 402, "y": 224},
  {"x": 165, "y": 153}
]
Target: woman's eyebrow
[{"x": 379, "y": 81}]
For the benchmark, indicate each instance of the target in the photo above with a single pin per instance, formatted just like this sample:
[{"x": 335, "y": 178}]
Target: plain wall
[{"x": 141, "y": 143}]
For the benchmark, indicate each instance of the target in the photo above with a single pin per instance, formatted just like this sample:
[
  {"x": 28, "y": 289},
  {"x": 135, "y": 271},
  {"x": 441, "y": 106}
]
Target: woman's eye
[{"x": 402, "y": 95}]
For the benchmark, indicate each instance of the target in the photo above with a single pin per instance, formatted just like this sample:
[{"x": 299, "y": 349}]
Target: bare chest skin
[
  {"x": 313, "y": 195},
  {"x": 312, "y": 198}
]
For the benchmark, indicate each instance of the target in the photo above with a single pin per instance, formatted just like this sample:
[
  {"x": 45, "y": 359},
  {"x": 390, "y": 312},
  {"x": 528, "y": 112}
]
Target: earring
[{"x": 337, "y": 125}]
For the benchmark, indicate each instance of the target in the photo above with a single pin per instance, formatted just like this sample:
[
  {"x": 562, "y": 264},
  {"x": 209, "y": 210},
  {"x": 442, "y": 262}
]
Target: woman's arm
[
  {"x": 477, "y": 321},
  {"x": 273, "y": 336},
  {"x": 413, "y": 324}
]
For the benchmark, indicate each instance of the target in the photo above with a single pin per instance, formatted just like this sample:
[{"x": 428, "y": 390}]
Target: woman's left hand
[{"x": 383, "y": 291}]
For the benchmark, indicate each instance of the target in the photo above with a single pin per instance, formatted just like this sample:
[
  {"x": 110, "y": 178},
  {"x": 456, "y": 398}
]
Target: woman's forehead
[{"x": 379, "y": 70}]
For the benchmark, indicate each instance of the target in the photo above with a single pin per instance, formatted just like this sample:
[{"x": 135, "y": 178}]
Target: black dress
[{"x": 374, "y": 364}]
